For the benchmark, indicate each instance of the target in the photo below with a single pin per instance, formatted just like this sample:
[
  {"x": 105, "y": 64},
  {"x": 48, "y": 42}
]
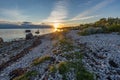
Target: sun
[{"x": 56, "y": 26}]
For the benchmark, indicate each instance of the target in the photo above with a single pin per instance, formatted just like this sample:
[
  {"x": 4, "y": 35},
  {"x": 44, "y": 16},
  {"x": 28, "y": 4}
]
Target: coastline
[
  {"x": 20, "y": 51},
  {"x": 23, "y": 47},
  {"x": 97, "y": 51}
]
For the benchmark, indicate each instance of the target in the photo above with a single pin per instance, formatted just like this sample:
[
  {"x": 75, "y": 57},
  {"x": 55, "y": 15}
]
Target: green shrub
[
  {"x": 82, "y": 74},
  {"x": 91, "y": 30},
  {"x": 88, "y": 31},
  {"x": 113, "y": 28}
]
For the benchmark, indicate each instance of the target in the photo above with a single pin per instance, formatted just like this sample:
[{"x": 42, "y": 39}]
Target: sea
[{"x": 14, "y": 34}]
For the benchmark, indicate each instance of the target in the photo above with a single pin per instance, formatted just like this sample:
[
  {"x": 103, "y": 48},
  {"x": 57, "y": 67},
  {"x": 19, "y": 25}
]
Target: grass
[
  {"x": 80, "y": 72},
  {"x": 52, "y": 69},
  {"x": 26, "y": 76},
  {"x": 75, "y": 55},
  {"x": 63, "y": 67},
  {"x": 66, "y": 45},
  {"x": 41, "y": 60}
]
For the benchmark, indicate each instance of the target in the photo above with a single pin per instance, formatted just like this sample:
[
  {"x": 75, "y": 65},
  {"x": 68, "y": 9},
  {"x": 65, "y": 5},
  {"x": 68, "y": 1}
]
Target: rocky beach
[
  {"x": 59, "y": 39},
  {"x": 47, "y": 57},
  {"x": 101, "y": 54}
]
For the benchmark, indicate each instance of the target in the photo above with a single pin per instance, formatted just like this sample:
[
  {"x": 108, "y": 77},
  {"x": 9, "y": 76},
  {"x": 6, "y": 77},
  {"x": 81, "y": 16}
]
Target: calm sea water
[{"x": 11, "y": 34}]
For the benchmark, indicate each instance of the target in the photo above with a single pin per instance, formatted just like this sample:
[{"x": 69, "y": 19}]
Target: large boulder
[
  {"x": 29, "y": 36},
  {"x": 1, "y": 40}
]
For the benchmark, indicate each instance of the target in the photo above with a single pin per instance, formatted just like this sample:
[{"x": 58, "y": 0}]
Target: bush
[
  {"x": 83, "y": 74},
  {"x": 91, "y": 30},
  {"x": 113, "y": 28},
  {"x": 99, "y": 30}
]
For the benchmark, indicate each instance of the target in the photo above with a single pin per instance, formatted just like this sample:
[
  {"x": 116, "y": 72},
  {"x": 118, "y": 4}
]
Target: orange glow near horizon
[{"x": 56, "y": 26}]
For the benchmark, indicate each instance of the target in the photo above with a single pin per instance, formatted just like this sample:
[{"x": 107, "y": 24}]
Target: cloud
[
  {"x": 84, "y": 18},
  {"x": 100, "y": 5},
  {"x": 13, "y": 15},
  {"x": 87, "y": 3},
  {"x": 59, "y": 12}
]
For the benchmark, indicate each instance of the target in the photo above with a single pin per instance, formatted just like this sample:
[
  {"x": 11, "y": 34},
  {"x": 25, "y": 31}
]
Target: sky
[{"x": 58, "y": 11}]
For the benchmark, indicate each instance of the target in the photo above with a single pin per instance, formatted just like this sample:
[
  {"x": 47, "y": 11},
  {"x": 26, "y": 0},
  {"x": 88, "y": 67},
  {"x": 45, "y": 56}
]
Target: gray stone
[
  {"x": 1, "y": 40},
  {"x": 29, "y": 36},
  {"x": 113, "y": 64}
]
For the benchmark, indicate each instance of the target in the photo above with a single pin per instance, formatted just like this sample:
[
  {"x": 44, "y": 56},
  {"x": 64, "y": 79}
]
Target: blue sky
[{"x": 62, "y": 11}]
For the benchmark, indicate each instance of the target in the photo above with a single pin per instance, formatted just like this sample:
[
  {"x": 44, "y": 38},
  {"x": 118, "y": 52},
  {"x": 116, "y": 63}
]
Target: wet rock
[
  {"x": 1, "y": 40},
  {"x": 27, "y": 31},
  {"x": 113, "y": 64},
  {"x": 29, "y": 36}
]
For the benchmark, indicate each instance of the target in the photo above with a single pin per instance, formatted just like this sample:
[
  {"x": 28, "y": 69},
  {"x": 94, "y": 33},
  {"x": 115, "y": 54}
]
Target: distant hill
[{"x": 22, "y": 26}]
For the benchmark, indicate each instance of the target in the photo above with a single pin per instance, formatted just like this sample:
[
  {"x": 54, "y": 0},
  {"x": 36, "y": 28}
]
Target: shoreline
[
  {"x": 36, "y": 41},
  {"x": 29, "y": 56},
  {"x": 93, "y": 47},
  {"x": 9, "y": 35}
]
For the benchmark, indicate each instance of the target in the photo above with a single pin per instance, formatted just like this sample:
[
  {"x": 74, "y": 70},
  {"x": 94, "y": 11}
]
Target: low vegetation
[
  {"x": 41, "y": 60},
  {"x": 63, "y": 67},
  {"x": 66, "y": 44},
  {"x": 90, "y": 30},
  {"x": 80, "y": 72},
  {"x": 73, "y": 61},
  {"x": 52, "y": 69},
  {"x": 26, "y": 76},
  {"x": 104, "y": 25}
]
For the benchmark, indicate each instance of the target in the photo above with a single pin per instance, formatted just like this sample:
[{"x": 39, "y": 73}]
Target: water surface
[{"x": 11, "y": 34}]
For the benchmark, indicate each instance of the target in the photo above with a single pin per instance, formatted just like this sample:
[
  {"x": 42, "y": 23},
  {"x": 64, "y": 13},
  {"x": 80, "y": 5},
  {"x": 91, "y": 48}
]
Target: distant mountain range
[{"x": 22, "y": 26}]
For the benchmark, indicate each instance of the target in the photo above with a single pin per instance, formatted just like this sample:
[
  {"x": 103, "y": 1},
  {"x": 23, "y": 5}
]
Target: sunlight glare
[{"x": 56, "y": 26}]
